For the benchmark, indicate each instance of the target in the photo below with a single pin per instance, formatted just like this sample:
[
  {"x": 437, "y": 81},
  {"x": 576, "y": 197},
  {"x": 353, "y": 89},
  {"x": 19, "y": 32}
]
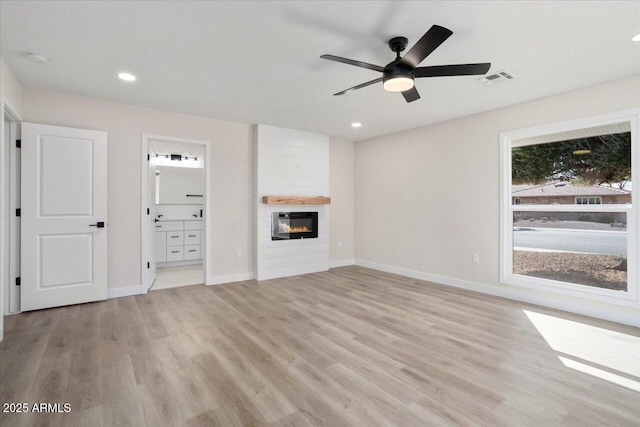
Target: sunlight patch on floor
[
  {"x": 608, "y": 349},
  {"x": 602, "y": 374}
]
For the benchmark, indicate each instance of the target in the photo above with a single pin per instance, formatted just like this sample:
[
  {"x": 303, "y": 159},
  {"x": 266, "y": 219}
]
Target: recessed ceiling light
[
  {"x": 127, "y": 77},
  {"x": 37, "y": 58},
  {"x": 356, "y": 124},
  {"x": 636, "y": 38}
]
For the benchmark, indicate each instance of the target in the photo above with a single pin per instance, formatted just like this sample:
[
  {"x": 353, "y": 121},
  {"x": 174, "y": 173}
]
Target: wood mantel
[{"x": 296, "y": 200}]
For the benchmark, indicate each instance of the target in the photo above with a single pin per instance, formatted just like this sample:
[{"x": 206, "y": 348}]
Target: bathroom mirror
[{"x": 179, "y": 186}]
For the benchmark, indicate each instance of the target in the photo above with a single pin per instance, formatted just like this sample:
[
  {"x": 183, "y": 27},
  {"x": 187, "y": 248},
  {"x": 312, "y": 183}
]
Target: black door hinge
[
  {"x": 148, "y": 265},
  {"x": 148, "y": 157},
  {"x": 17, "y": 281},
  {"x": 147, "y": 211},
  {"x": 18, "y": 212},
  {"x": 18, "y": 143}
]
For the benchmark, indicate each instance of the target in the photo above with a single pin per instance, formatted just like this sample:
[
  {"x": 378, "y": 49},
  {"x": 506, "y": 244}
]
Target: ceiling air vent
[{"x": 497, "y": 77}]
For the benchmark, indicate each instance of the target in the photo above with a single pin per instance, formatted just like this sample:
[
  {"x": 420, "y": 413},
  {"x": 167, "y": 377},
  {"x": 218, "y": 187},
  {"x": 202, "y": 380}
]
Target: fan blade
[
  {"x": 427, "y": 44},
  {"x": 452, "y": 70},
  {"x": 353, "y": 62},
  {"x": 360, "y": 86},
  {"x": 411, "y": 94}
]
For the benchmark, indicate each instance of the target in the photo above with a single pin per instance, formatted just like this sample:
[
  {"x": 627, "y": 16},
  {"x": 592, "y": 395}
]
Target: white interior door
[
  {"x": 152, "y": 223},
  {"x": 64, "y": 216}
]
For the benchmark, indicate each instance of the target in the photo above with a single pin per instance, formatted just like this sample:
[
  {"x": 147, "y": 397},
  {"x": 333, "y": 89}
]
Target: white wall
[
  {"x": 341, "y": 224},
  {"x": 232, "y": 181},
  {"x": 231, "y": 175},
  {"x": 10, "y": 88},
  {"x": 428, "y": 198},
  {"x": 290, "y": 163}
]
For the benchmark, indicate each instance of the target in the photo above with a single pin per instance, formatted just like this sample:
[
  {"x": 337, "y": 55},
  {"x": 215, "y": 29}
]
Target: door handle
[{"x": 97, "y": 224}]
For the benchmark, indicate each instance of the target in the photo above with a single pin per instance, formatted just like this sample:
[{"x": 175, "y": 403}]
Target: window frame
[
  {"x": 575, "y": 200},
  {"x": 629, "y": 298}
]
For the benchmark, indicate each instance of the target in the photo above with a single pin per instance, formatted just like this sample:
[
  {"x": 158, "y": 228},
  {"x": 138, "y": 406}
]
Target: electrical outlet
[
  {"x": 476, "y": 259},
  {"x": 340, "y": 244},
  {"x": 238, "y": 253}
]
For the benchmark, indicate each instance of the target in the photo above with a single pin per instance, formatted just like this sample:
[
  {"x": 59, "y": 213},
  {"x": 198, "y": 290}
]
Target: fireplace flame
[{"x": 284, "y": 227}]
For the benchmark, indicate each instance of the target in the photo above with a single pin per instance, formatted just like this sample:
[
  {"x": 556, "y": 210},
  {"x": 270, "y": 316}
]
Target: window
[
  {"x": 557, "y": 241},
  {"x": 588, "y": 200}
]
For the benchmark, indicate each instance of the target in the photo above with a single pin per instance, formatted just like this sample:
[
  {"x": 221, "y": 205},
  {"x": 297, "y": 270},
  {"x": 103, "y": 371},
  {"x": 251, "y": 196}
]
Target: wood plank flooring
[{"x": 350, "y": 347}]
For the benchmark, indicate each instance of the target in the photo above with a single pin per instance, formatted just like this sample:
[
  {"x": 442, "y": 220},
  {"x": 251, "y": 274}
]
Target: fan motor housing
[{"x": 392, "y": 71}]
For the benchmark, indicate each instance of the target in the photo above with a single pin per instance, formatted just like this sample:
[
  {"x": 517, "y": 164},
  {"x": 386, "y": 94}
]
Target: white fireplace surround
[{"x": 290, "y": 163}]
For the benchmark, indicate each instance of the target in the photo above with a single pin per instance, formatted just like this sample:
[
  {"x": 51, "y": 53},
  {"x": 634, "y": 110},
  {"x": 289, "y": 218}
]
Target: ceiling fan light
[{"x": 398, "y": 83}]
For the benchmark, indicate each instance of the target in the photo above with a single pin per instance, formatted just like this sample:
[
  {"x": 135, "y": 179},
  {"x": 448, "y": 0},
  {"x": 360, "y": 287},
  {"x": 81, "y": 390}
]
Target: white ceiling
[{"x": 258, "y": 62}]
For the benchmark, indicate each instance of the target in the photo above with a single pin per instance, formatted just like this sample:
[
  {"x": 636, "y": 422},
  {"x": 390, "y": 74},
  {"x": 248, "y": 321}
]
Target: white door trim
[
  {"x": 7, "y": 254},
  {"x": 15, "y": 223},
  {"x": 144, "y": 196}
]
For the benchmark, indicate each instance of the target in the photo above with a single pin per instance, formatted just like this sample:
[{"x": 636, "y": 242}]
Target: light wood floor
[
  {"x": 343, "y": 348},
  {"x": 176, "y": 277}
]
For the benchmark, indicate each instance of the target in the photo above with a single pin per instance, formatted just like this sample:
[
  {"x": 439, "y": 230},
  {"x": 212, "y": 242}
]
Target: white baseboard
[
  {"x": 123, "y": 292},
  {"x": 341, "y": 263},
  {"x": 230, "y": 278},
  {"x": 510, "y": 293}
]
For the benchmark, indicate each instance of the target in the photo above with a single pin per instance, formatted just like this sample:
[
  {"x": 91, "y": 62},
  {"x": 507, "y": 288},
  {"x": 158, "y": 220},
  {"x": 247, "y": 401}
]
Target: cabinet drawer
[
  {"x": 192, "y": 252},
  {"x": 175, "y": 238},
  {"x": 193, "y": 225},
  {"x": 175, "y": 253},
  {"x": 192, "y": 237},
  {"x": 169, "y": 226}
]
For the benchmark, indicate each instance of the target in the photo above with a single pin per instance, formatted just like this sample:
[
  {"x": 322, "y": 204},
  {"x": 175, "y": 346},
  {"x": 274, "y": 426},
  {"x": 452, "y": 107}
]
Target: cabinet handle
[
  {"x": 158, "y": 226},
  {"x": 192, "y": 250},
  {"x": 174, "y": 237},
  {"x": 175, "y": 252},
  {"x": 192, "y": 235}
]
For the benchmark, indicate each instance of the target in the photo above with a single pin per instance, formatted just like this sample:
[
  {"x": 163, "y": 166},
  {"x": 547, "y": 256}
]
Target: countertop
[{"x": 184, "y": 218}]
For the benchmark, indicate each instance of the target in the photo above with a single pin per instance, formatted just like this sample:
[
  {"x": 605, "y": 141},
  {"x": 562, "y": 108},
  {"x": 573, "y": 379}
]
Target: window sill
[{"x": 591, "y": 293}]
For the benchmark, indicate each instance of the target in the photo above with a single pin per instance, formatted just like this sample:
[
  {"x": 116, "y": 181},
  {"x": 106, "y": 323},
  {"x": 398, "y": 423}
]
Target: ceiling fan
[{"x": 399, "y": 74}]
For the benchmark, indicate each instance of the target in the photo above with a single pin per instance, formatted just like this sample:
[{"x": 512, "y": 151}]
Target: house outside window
[
  {"x": 588, "y": 200},
  {"x": 568, "y": 221}
]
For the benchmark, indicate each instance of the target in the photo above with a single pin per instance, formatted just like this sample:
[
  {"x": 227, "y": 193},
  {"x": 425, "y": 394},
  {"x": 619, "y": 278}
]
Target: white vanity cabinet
[{"x": 178, "y": 241}]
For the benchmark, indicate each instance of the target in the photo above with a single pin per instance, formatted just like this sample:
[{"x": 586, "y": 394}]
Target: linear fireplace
[{"x": 294, "y": 225}]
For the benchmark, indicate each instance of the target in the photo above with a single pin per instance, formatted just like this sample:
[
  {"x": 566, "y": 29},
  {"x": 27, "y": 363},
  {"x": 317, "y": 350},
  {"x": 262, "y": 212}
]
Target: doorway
[{"x": 175, "y": 224}]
